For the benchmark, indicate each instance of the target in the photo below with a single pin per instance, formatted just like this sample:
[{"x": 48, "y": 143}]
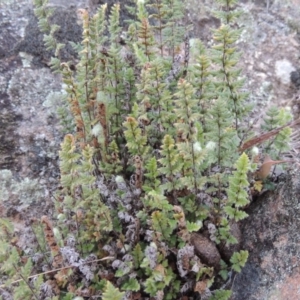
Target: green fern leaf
[
  {"x": 112, "y": 293},
  {"x": 221, "y": 295},
  {"x": 191, "y": 226},
  {"x": 237, "y": 194},
  {"x": 131, "y": 285},
  {"x": 239, "y": 260},
  {"x": 138, "y": 256},
  {"x": 162, "y": 224}
]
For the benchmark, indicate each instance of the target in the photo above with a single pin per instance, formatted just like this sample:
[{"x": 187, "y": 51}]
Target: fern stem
[
  {"x": 26, "y": 282},
  {"x": 86, "y": 87},
  {"x": 39, "y": 245},
  {"x": 233, "y": 97},
  {"x": 160, "y": 28},
  {"x": 58, "y": 269},
  {"x": 194, "y": 168},
  {"x": 78, "y": 234}
]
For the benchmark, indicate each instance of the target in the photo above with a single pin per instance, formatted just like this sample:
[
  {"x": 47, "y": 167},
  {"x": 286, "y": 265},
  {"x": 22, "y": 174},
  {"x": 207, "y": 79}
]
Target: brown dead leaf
[
  {"x": 62, "y": 277},
  {"x": 200, "y": 286},
  {"x": 160, "y": 268},
  {"x": 136, "y": 296},
  {"x": 265, "y": 169},
  {"x": 50, "y": 239},
  {"x": 179, "y": 216},
  {"x": 265, "y": 136}
]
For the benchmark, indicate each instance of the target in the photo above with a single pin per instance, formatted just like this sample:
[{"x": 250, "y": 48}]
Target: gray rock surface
[
  {"x": 29, "y": 133},
  {"x": 271, "y": 235}
]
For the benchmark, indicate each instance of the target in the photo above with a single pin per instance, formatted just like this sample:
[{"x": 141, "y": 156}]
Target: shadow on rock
[{"x": 271, "y": 235}]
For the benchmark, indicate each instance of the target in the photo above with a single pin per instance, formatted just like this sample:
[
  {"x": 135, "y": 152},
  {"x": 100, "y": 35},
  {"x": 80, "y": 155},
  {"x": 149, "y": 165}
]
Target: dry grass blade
[
  {"x": 56, "y": 270},
  {"x": 265, "y": 136}
]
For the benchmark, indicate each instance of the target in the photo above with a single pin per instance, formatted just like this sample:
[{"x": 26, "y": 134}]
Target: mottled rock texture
[
  {"x": 29, "y": 133},
  {"x": 271, "y": 235}
]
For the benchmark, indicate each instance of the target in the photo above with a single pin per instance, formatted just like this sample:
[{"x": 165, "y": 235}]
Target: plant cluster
[{"x": 152, "y": 180}]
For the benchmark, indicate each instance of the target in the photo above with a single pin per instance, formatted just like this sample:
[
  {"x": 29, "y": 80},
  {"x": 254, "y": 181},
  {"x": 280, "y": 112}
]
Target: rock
[
  {"x": 33, "y": 43},
  {"x": 28, "y": 145},
  {"x": 283, "y": 70},
  {"x": 271, "y": 235},
  {"x": 227, "y": 251},
  {"x": 246, "y": 283},
  {"x": 8, "y": 137},
  {"x": 206, "y": 250},
  {"x": 2, "y": 53},
  {"x": 295, "y": 78}
]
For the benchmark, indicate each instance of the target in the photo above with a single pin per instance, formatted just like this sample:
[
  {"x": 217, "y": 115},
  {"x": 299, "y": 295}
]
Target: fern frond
[
  {"x": 237, "y": 191},
  {"x": 112, "y": 293}
]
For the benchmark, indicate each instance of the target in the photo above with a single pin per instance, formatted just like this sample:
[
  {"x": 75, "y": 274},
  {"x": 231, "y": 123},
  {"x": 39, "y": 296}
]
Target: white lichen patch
[
  {"x": 26, "y": 59},
  {"x": 21, "y": 193},
  {"x": 283, "y": 69}
]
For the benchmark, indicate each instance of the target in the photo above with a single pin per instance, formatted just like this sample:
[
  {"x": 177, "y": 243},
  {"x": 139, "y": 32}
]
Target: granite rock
[{"x": 271, "y": 235}]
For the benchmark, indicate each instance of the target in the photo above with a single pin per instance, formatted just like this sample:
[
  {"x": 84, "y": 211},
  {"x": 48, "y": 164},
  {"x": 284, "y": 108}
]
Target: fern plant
[
  {"x": 276, "y": 117},
  {"x": 152, "y": 163}
]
